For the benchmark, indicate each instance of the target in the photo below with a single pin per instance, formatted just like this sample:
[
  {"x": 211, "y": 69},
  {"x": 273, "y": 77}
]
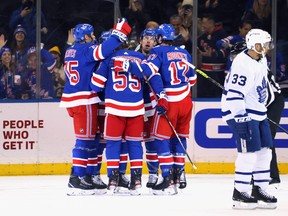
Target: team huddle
[
  {"x": 119, "y": 98},
  {"x": 123, "y": 97}
]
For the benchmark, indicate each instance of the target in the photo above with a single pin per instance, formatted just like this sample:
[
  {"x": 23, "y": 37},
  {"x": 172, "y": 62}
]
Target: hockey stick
[
  {"x": 222, "y": 87},
  {"x": 168, "y": 120}
]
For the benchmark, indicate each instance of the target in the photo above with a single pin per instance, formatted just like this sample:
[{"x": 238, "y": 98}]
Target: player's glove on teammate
[
  {"x": 243, "y": 126},
  {"x": 162, "y": 103},
  {"x": 121, "y": 30},
  {"x": 121, "y": 65}
]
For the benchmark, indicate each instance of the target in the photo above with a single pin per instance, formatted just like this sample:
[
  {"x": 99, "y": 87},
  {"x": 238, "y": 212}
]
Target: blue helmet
[
  {"x": 81, "y": 30},
  {"x": 166, "y": 31},
  {"x": 104, "y": 36},
  {"x": 148, "y": 32}
]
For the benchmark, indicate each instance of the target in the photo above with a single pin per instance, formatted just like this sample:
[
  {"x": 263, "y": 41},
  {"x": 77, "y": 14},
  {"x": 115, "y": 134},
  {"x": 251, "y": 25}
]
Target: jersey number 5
[{"x": 71, "y": 72}]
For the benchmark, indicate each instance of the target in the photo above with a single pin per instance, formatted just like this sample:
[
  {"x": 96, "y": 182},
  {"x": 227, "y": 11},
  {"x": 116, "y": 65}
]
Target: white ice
[{"x": 205, "y": 195}]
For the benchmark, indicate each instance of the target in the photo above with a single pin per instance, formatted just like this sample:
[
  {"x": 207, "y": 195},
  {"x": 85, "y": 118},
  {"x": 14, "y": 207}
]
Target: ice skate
[
  {"x": 180, "y": 178},
  {"x": 264, "y": 200},
  {"x": 123, "y": 184},
  {"x": 165, "y": 187},
  {"x": 77, "y": 186},
  {"x": 98, "y": 188},
  {"x": 242, "y": 200},
  {"x": 135, "y": 183},
  {"x": 152, "y": 180},
  {"x": 97, "y": 180},
  {"x": 113, "y": 181}
]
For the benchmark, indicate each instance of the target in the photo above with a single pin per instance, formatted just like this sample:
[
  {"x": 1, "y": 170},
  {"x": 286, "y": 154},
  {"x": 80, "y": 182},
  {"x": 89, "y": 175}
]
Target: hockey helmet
[
  {"x": 104, "y": 36},
  {"x": 167, "y": 32},
  {"x": 81, "y": 30},
  {"x": 148, "y": 32},
  {"x": 258, "y": 36}
]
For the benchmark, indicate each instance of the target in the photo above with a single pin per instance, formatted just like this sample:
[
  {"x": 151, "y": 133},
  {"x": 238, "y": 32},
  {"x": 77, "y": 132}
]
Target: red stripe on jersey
[
  {"x": 177, "y": 92},
  {"x": 96, "y": 52},
  {"x": 179, "y": 159},
  {"x": 152, "y": 156},
  {"x": 97, "y": 80},
  {"x": 166, "y": 160},
  {"x": 99, "y": 159},
  {"x": 123, "y": 157},
  {"x": 119, "y": 107},
  {"x": 136, "y": 163},
  {"x": 93, "y": 161},
  {"x": 73, "y": 98},
  {"x": 79, "y": 162},
  {"x": 112, "y": 163}
]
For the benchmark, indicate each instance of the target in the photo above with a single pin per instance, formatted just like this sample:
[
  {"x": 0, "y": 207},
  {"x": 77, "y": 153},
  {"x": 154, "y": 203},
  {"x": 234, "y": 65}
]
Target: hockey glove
[
  {"x": 162, "y": 103},
  {"x": 243, "y": 126},
  {"x": 121, "y": 30},
  {"x": 121, "y": 65}
]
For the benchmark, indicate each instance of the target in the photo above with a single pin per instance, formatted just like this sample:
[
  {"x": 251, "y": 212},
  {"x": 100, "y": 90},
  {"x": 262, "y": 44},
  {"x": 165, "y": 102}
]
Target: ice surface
[{"x": 205, "y": 195}]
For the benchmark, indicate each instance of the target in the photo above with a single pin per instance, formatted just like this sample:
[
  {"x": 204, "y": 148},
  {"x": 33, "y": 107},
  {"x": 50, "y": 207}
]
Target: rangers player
[
  {"x": 243, "y": 108},
  {"x": 124, "y": 109},
  {"x": 81, "y": 102}
]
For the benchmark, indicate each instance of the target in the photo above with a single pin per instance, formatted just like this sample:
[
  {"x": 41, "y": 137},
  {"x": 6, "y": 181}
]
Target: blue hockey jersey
[
  {"x": 123, "y": 91},
  {"x": 177, "y": 76},
  {"x": 80, "y": 62}
]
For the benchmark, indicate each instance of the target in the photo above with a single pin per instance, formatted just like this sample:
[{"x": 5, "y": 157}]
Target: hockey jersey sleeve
[
  {"x": 99, "y": 77},
  {"x": 107, "y": 47}
]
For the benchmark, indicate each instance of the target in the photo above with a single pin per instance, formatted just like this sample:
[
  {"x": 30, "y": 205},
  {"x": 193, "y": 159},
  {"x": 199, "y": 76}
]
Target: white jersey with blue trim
[{"x": 246, "y": 88}]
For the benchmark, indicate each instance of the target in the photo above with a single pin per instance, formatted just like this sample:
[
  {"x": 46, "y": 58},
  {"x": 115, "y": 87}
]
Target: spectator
[
  {"x": 182, "y": 35},
  {"x": 137, "y": 17},
  {"x": 186, "y": 12},
  {"x": 152, "y": 25},
  {"x": 58, "y": 74},
  {"x": 231, "y": 40},
  {"x": 9, "y": 87},
  {"x": 30, "y": 90},
  {"x": 25, "y": 15},
  {"x": 213, "y": 60},
  {"x": 19, "y": 45},
  {"x": 259, "y": 15}
]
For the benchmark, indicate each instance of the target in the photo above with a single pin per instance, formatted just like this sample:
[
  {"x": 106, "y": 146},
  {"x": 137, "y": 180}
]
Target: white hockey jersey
[{"x": 246, "y": 88}]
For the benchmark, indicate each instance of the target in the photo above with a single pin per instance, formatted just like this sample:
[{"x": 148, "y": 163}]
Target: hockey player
[
  {"x": 124, "y": 109},
  {"x": 243, "y": 108},
  {"x": 173, "y": 92},
  {"x": 147, "y": 42},
  {"x": 123, "y": 180},
  {"x": 81, "y": 102}
]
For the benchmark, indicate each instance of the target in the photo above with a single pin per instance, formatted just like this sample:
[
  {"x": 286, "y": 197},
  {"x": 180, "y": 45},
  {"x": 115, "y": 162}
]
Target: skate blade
[
  {"x": 244, "y": 206},
  {"x": 79, "y": 192},
  {"x": 166, "y": 191},
  {"x": 118, "y": 191},
  {"x": 100, "y": 191},
  {"x": 264, "y": 205},
  {"x": 135, "y": 192}
]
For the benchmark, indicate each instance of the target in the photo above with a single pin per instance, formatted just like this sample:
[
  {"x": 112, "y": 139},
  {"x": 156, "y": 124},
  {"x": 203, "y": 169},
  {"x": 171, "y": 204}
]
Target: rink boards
[{"x": 37, "y": 138}]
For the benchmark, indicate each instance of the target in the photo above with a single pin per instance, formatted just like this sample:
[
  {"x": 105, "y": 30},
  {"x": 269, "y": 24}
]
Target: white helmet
[{"x": 258, "y": 36}]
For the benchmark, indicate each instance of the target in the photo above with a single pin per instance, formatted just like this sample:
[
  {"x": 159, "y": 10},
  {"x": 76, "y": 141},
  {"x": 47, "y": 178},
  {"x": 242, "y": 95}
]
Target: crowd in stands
[{"x": 221, "y": 23}]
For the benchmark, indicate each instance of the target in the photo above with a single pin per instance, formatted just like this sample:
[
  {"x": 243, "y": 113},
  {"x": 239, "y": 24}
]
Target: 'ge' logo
[{"x": 212, "y": 132}]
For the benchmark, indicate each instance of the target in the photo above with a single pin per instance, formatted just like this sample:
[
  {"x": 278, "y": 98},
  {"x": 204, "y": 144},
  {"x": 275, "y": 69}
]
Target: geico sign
[{"x": 212, "y": 132}]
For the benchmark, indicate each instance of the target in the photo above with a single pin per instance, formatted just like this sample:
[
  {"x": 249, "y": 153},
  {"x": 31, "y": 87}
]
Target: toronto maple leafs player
[
  {"x": 244, "y": 109},
  {"x": 81, "y": 102}
]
